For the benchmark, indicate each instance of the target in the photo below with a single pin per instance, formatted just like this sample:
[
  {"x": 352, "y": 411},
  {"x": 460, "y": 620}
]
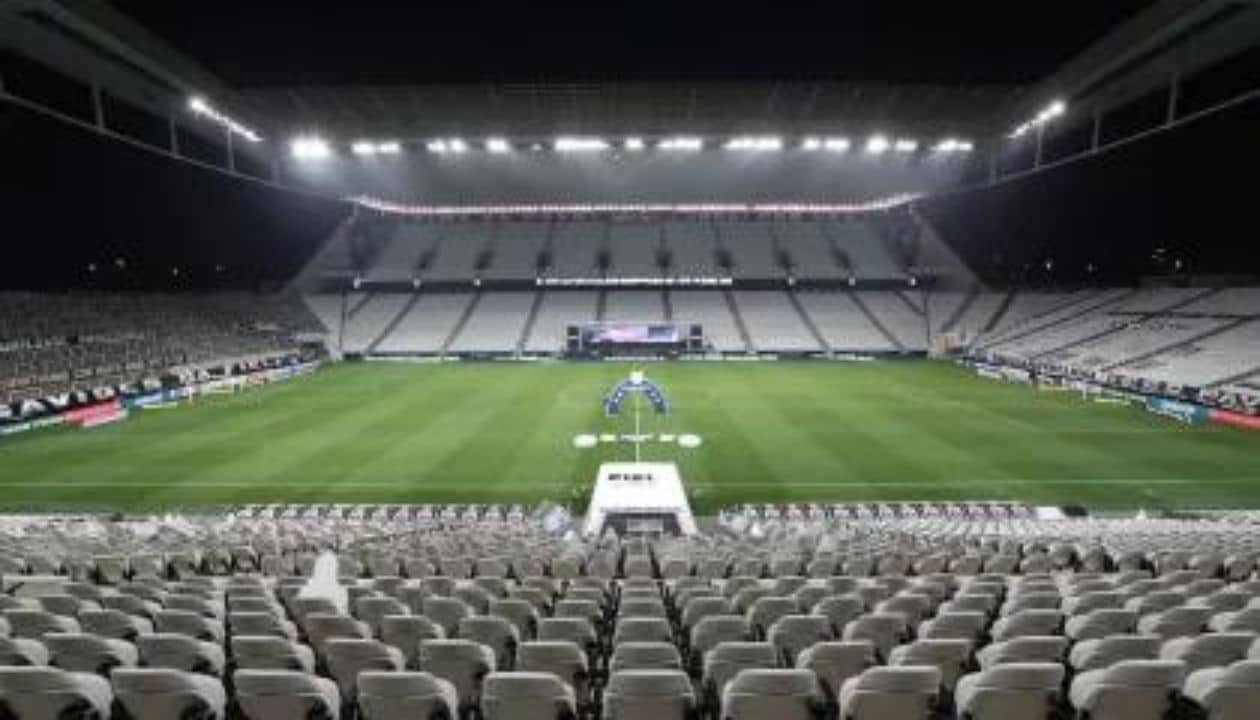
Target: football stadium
[{"x": 385, "y": 363}]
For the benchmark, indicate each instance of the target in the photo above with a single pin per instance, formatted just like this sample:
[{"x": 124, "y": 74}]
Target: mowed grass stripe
[{"x": 772, "y": 432}]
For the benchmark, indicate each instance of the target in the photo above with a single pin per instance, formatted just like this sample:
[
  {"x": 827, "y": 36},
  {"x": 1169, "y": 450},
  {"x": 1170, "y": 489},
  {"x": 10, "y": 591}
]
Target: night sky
[{"x": 280, "y": 42}]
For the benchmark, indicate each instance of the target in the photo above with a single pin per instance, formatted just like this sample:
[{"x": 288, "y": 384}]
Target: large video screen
[{"x": 632, "y": 333}]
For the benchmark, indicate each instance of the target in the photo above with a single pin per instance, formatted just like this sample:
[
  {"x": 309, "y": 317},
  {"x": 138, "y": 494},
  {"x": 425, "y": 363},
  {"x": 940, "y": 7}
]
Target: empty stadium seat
[{"x": 288, "y": 695}]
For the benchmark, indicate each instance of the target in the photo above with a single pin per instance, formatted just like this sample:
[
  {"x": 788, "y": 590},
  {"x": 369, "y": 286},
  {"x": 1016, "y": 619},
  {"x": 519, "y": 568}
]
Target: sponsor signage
[
  {"x": 1236, "y": 419},
  {"x": 1178, "y": 410},
  {"x": 110, "y": 403}
]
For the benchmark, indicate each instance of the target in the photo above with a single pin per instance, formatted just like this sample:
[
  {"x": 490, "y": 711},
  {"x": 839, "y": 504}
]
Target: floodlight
[
  {"x": 201, "y": 107},
  {"x": 457, "y": 146},
  {"x": 906, "y": 146},
  {"x": 1050, "y": 112},
  {"x": 754, "y": 143},
  {"x": 363, "y": 147},
  {"x": 837, "y": 144},
  {"x": 877, "y": 144},
  {"x": 681, "y": 143},
  {"x": 310, "y": 147},
  {"x": 953, "y": 145},
  {"x": 497, "y": 145},
  {"x": 437, "y": 146},
  {"x": 634, "y": 143},
  {"x": 389, "y": 147},
  {"x": 579, "y": 144},
  {"x": 811, "y": 143}
]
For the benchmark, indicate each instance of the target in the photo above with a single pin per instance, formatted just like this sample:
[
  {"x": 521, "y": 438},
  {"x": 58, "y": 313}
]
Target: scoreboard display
[{"x": 626, "y": 337}]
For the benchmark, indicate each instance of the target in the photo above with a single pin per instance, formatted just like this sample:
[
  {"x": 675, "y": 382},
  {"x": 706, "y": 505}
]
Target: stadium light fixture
[
  {"x": 836, "y": 145},
  {"x": 1049, "y": 113},
  {"x": 681, "y": 143},
  {"x": 953, "y": 145},
  {"x": 811, "y": 144},
  {"x": 755, "y": 143},
  {"x": 447, "y": 145},
  {"x": 877, "y": 145},
  {"x": 310, "y": 147},
  {"x": 634, "y": 143},
  {"x": 366, "y": 148},
  {"x": 201, "y": 107},
  {"x": 497, "y": 145},
  {"x": 905, "y": 145},
  {"x": 580, "y": 144}
]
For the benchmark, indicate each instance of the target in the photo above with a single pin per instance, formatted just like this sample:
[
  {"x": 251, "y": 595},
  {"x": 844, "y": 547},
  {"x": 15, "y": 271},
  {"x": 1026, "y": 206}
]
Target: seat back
[
  {"x": 463, "y": 663},
  {"x": 648, "y": 695},
  {"x": 526, "y": 696},
  {"x": 159, "y": 694},
  {"x": 82, "y": 652},
  {"x": 180, "y": 652},
  {"x": 265, "y": 652},
  {"x": 269, "y": 694},
  {"x": 645, "y": 656},
  {"x": 726, "y": 660},
  {"x": 42, "y": 692},
  {"x": 347, "y": 658},
  {"x": 780, "y": 694},
  {"x": 388, "y": 695},
  {"x": 890, "y": 692},
  {"x": 837, "y": 661}
]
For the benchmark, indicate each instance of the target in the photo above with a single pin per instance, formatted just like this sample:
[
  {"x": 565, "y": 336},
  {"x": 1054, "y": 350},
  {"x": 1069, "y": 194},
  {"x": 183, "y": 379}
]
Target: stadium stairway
[
  {"x": 1237, "y": 378},
  {"x": 354, "y": 309},
  {"x": 392, "y": 325},
  {"x": 910, "y": 304},
  {"x": 999, "y": 313},
  {"x": 739, "y": 320},
  {"x": 1091, "y": 304},
  {"x": 469, "y": 309},
  {"x": 809, "y": 322},
  {"x": 959, "y": 312},
  {"x": 1177, "y": 345},
  {"x": 883, "y": 329},
  {"x": 529, "y": 323},
  {"x": 601, "y": 305},
  {"x": 1119, "y": 327}
]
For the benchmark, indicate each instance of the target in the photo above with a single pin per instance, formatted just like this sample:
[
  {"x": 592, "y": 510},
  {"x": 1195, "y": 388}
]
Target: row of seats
[{"x": 640, "y": 619}]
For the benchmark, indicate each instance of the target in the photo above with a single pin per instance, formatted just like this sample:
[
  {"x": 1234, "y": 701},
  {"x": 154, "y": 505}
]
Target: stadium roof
[
  {"x": 527, "y": 110},
  {"x": 411, "y": 71}
]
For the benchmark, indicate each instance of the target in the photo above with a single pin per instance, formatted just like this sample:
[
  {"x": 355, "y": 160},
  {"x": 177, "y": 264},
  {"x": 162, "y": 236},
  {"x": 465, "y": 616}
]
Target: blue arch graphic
[{"x": 653, "y": 392}]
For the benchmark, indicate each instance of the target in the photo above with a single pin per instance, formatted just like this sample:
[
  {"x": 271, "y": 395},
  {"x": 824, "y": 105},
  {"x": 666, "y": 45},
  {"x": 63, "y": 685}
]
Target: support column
[
  {"x": 231, "y": 155},
  {"x": 1041, "y": 134},
  {"x": 1174, "y": 97},
  {"x": 174, "y": 135},
  {"x": 98, "y": 107},
  {"x": 1096, "y": 134}
]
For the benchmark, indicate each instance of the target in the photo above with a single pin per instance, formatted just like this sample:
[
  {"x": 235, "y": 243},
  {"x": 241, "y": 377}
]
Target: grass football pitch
[{"x": 504, "y": 432}]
